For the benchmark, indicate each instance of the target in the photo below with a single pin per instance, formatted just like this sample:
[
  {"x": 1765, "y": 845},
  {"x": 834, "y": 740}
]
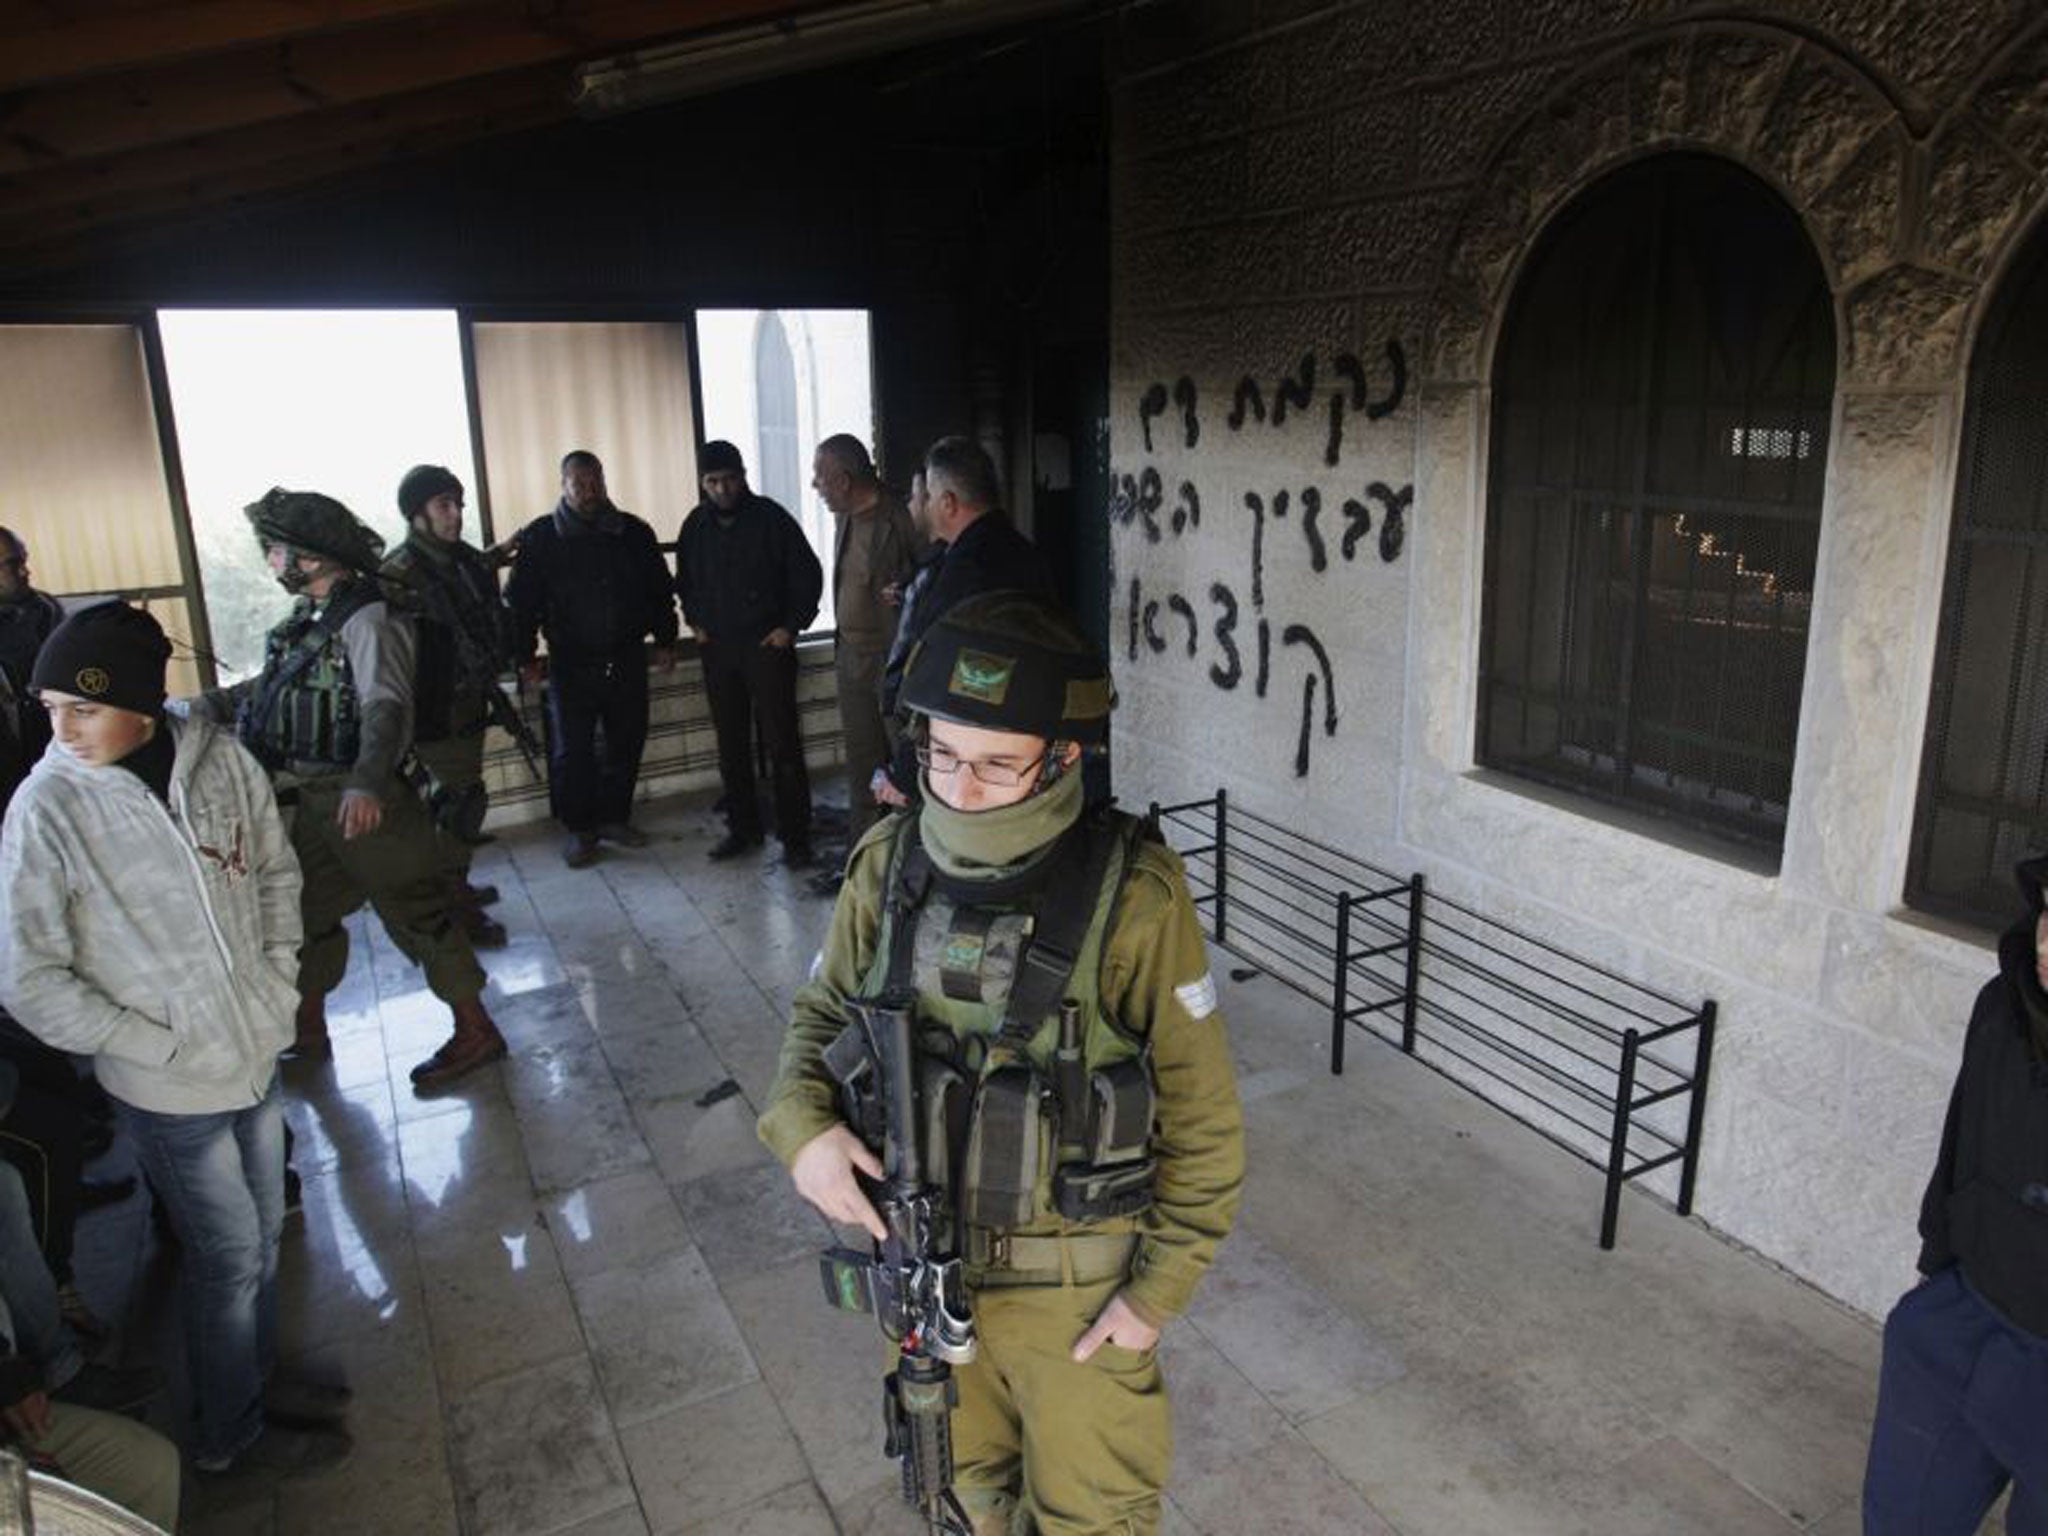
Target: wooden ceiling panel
[
  {"x": 114, "y": 112},
  {"x": 149, "y": 35},
  {"x": 249, "y": 87},
  {"x": 63, "y": 198}
]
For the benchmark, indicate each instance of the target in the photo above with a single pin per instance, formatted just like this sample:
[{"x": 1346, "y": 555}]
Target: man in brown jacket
[{"x": 874, "y": 551}]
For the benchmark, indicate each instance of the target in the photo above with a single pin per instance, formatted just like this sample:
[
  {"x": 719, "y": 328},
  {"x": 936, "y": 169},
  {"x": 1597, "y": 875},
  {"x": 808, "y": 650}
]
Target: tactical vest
[
  {"x": 1027, "y": 1123},
  {"x": 304, "y": 708}
]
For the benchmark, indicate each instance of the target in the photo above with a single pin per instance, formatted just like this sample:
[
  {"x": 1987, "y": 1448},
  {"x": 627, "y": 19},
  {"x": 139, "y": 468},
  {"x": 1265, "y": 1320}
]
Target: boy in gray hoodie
[{"x": 149, "y": 917}]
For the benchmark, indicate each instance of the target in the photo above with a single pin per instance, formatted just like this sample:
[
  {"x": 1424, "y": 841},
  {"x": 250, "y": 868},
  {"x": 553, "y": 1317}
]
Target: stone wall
[{"x": 1317, "y": 217}]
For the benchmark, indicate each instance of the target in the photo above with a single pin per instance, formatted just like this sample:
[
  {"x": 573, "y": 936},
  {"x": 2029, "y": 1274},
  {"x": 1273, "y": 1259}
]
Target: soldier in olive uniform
[
  {"x": 1084, "y": 1230},
  {"x": 450, "y": 591},
  {"x": 330, "y": 716}
]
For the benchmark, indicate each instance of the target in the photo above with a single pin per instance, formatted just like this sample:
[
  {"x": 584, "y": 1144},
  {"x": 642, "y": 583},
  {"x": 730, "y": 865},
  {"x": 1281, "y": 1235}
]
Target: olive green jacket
[{"x": 1154, "y": 982}]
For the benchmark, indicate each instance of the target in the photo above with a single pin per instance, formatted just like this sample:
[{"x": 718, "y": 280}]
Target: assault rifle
[
  {"x": 478, "y": 661},
  {"x": 918, "y": 1296}
]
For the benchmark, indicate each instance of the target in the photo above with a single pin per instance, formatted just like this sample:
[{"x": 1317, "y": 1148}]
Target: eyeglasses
[{"x": 997, "y": 773}]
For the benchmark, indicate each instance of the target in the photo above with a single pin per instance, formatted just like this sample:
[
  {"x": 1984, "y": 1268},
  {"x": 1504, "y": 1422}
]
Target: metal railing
[{"x": 1607, "y": 1069}]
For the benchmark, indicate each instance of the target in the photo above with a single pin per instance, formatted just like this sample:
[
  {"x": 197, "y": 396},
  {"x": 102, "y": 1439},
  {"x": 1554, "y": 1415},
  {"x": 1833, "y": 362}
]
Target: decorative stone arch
[{"x": 1818, "y": 130}]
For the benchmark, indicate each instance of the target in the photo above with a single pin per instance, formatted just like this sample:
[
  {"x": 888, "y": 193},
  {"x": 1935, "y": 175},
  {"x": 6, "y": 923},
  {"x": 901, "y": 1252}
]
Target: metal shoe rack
[{"x": 1611, "y": 1071}]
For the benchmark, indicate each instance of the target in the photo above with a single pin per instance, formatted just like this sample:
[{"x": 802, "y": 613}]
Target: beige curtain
[
  {"x": 81, "y": 476},
  {"x": 621, "y": 390}
]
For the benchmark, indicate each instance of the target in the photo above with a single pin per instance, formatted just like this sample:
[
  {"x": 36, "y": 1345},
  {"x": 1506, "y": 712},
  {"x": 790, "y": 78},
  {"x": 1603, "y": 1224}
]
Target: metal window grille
[
  {"x": 1661, "y": 409},
  {"x": 1983, "y": 801}
]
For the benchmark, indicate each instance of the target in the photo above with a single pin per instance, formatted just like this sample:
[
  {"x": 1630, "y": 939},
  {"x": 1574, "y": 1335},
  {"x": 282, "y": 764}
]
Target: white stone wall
[{"x": 1293, "y": 180}]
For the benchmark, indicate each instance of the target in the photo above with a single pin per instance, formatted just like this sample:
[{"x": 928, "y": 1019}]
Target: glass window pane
[
  {"x": 1984, "y": 769},
  {"x": 342, "y": 402},
  {"x": 1662, "y": 395},
  {"x": 777, "y": 383}
]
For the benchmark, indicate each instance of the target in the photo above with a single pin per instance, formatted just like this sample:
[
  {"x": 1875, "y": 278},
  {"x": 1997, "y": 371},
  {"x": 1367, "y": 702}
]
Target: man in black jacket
[
  {"x": 592, "y": 578},
  {"x": 750, "y": 584},
  {"x": 958, "y": 508},
  {"x": 26, "y": 619},
  {"x": 1962, "y": 1404}
]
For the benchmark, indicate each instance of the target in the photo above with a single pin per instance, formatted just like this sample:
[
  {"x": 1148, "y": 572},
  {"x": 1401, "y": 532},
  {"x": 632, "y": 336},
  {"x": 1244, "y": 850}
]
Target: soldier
[
  {"x": 450, "y": 590},
  {"x": 1082, "y": 1236},
  {"x": 330, "y": 716}
]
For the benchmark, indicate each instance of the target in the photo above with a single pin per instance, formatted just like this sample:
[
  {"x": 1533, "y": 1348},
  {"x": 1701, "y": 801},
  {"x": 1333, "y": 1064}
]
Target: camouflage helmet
[
  {"x": 308, "y": 523},
  {"x": 1008, "y": 661}
]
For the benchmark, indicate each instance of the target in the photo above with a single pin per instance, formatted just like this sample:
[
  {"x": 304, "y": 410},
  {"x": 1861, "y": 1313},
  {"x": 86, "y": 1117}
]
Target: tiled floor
[{"x": 576, "y": 1296}]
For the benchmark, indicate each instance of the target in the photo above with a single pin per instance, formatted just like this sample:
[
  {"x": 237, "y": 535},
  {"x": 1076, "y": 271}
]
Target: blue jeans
[
  {"x": 221, "y": 1180},
  {"x": 29, "y": 1290},
  {"x": 1962, "y": 1409}
]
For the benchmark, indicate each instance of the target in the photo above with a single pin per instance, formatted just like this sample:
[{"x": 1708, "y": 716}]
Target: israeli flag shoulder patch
[{"x": 1198, "y": 997}]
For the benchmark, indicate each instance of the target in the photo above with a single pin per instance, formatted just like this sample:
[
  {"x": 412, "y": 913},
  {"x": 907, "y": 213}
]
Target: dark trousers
[
  {"x": 43, "y": 1136},
  {"x": 744, "y": 683},
  {"x": 1962, "y": 1410},
  {"x": 597, "y": 728}
]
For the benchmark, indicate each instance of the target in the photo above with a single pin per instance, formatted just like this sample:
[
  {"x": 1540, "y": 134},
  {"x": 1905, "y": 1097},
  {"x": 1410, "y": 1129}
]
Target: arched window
[
  {"x": 1984, "y": 771},
  {"x": 780, "y": 472},
  {"x": 1660, "y": 420}
]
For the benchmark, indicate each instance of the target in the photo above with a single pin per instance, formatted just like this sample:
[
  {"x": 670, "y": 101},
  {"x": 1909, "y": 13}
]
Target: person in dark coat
[
  {"x": 591, "y": 578},
  {"x": 978, "y": 549},
  {"x": 26, "y": 619},
  {"x": 750, "y": 584},
  {"x": 1962, "y": 1407}
]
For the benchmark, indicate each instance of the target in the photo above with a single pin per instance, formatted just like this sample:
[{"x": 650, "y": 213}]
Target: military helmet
[
  {"x": 1008, "y": 661},
  {"x": 309, "y": 523}
]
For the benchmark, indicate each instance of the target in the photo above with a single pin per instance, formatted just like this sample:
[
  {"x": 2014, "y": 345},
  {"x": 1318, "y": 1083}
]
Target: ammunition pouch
[
  {"x": 1114, "y": 1177},
  {"x": 1005, "y": 1147},
  {"x": 851, "y": 1061},
  {"x": 944, "y": 1102}
]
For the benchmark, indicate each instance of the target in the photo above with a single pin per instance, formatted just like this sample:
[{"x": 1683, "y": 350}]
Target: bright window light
[
  {"x": 776, "y": 383},
  {"x": 337, "y": 401}
]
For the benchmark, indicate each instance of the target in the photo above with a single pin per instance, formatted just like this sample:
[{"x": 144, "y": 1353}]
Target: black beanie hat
[
  {"x": 719, "y": 457},
  {"x": 422, "y": 483},
  {"x": 108, "y": 653}
]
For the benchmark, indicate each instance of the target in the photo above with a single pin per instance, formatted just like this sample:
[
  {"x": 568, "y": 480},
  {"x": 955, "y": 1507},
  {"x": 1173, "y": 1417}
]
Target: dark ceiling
[{"x": 118, "y": 114}]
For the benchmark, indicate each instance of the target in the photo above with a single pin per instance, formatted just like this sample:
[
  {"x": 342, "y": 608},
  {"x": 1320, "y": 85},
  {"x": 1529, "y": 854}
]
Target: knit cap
[{"x": 109, "y": 653}]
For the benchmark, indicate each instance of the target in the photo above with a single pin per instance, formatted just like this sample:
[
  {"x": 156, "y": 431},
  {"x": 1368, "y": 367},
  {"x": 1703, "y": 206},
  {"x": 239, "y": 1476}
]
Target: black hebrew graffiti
[
  {"x": 1227, "y": 672},
  {"x": 1230, "y": 672},
  {"x": 1184, "y": 397},
  {"x": 1158, "y": 618},
  {"x": 1186, "y": 610},
  {"x": 1153, "y": 403},
  {"x": 1393, "y": 530},
  {"x": 1246, "y": 397},
  {"x": 1296, "y": 391},
  {"x": 1353, "y": 395}
]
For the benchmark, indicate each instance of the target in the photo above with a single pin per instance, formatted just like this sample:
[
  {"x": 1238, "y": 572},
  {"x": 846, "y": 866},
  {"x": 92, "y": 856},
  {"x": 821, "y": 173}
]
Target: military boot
[
  {"x": 483, "y": 932},
  {"x": 475, "y": 1043},
  {"x": 309, "y": 1032}
]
